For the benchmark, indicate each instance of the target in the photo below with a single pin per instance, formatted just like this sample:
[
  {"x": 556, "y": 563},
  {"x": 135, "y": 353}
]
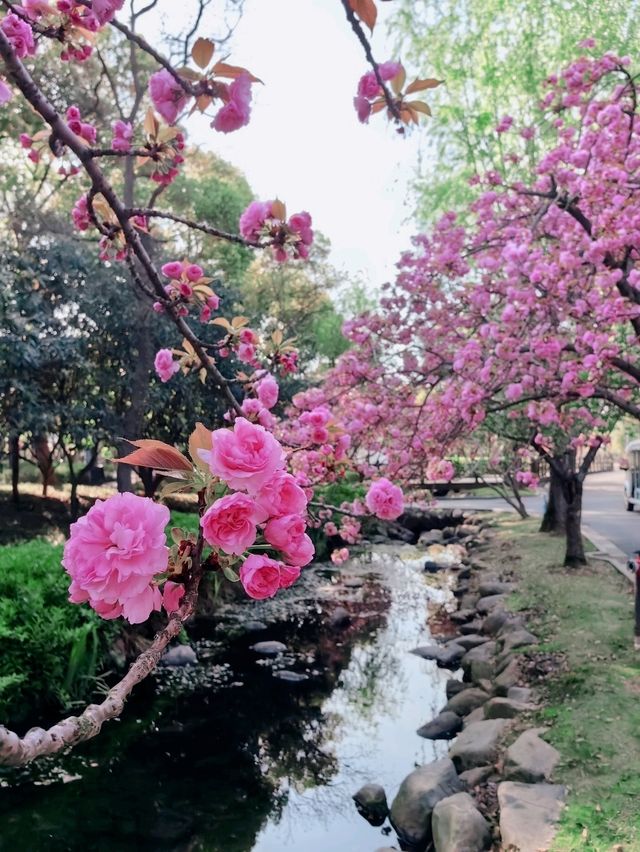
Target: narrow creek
[{"x": 226, "y": 757}]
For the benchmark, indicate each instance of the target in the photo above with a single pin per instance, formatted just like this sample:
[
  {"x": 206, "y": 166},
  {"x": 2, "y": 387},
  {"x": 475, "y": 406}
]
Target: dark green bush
[{"x": 51, "y": 649}]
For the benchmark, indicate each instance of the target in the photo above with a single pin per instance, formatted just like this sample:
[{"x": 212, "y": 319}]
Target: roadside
[{"x": 589, "y": 678}]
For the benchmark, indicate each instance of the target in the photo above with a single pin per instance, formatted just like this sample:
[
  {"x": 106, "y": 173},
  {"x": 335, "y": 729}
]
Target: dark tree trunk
[
  {"x": 572, "y": 492},
  {"x": 14, "y": 461},
  {"x": 637, "y": 622},
  {"x": 555, "y": 513}
]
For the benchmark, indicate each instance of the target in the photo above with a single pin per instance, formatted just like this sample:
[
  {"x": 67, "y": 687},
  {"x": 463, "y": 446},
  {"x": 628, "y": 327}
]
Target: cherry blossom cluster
[
  {"x": 531, "y": 309},
  {"x": 267, "y": 221},
  {"x": 188, "y": 287}
]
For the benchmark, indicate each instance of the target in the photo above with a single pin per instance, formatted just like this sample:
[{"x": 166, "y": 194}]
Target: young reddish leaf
[
  {"x": 203, "y": 102},
  {"x": 150, "y": 123},
  {"x": 232, "y": 72},
  {"x": 377, "y": 106},
  {"x": 199, "y": 439},
  {"x": 156, "y": 454},
  {"x": 202, "y": 52},
  {"x": 419, "y": 106},
  {"x": 366, "y": 10},
  {"x": 190, "y": 75},
  {"x": 239, "y": 322},
  {"x": 277, "y": 337},
  {"x": 421, "y": 85},
  {"x": 223, "y": 322},
  {"x": 278, "y": 210},
  {"x": 399, "y": 80}
]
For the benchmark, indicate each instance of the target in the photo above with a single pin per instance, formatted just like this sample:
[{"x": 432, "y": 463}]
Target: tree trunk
[
  {"x": 637, "y": 623},
  {"x": 14, "y": 457},
  {"x": 572, "y": 489},
  {"x": 555, "y": 513}
]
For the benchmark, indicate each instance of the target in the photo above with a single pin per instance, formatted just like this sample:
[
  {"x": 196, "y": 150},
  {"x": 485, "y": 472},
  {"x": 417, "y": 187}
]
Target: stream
[{"x": 232, "y": 755}]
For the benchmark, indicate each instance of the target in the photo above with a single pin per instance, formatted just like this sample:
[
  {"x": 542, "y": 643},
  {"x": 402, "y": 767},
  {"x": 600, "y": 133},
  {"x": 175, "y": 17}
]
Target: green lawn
[{"x": 594, "y": 704}]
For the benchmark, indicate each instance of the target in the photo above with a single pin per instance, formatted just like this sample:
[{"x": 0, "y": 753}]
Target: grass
[{"x": 593, "y": 702}]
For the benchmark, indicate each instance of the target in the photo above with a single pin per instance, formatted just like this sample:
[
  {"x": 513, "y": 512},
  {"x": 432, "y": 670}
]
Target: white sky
[{"x": 305, "y": 144}]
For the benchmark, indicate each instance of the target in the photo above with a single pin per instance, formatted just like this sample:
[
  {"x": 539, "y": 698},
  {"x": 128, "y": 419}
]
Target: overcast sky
[{"x": 305, "y": 144}]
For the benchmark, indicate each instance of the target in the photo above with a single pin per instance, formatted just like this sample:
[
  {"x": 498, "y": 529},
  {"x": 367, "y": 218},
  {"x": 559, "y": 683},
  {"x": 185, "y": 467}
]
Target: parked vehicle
[{"x": 632, "y": 477}]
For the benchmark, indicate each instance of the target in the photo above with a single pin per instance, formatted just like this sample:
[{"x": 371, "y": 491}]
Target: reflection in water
[{"x": 255, "y": 764}]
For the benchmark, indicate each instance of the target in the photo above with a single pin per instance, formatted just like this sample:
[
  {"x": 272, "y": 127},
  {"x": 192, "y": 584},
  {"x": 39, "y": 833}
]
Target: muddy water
[{"x": 226, "y": 757}]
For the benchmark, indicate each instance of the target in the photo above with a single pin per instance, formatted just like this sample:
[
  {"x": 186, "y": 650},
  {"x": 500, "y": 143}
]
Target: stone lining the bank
[{"x": 494, "y": 759}]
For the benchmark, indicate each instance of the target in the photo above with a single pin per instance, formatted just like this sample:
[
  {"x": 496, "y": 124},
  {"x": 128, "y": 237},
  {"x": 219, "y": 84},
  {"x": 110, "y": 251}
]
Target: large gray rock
[
  {"x": 472, "y": 777},
  {"x": 476, "y": 715},
  {"x": 446, "y": 656},
  {"x": 371, "y": 803},
  {"x": 478, "y": 744},
  {"x": 466, "y": 701},
  {"x": 418, "y": 795},
  {"x": 504, "y": 708},
  {"x": 486, "y": 604},
  {"x": 453, "y": 686},
  {"x": 473, "y": 626},
  {"x": 529, "y": 814},
  {"x": 494, "y": 621},
  {"x": 519, "y": 638},
  {"x": 269, "y": 649},
  {"x": 508, "y": 678},
  {"x": 479, "y": 663},
  {"x": 523, "y": 694},
  {"x": 444, "y": 727},
  {"x": 458, "y": 826},
  {"x": 462, "y": 615},
  {"x": 494, "y": 587},
  {"x": 471, "y": 640},
  {"x": 530, "y": 758},
  {"x": 179, "y": 655},
  {"x": 430, "y": 537}
]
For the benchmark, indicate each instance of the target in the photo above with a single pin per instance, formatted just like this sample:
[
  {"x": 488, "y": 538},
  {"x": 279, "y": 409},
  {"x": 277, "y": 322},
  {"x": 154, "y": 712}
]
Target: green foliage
[
  {"x": 51, "y": 650},
  {"x": 494, "y": 56}
]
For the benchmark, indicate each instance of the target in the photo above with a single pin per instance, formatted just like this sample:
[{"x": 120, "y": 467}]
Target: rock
[
  {"x": 513, "y": 622},
  {"x": 466, "y": 701},
  {"x": 444, "y": 727},
  {"x": 464, "y": 572},
  {"x": 494, "y": 621},
  {"x": 528, "y": 814},
  {"x": 508, "y": 678},
  {"x": 473, "y": 626},
  {"x": 461, "y": 590},
  {"x": 454, "y": 686},
  {"x": 269, "y": 649},
  {"x": 473, "y": 777},
  {"x": 371, "y": 803},
  {"x": 339, "y": 618},
  {"x": 476, "y": 715},
  {"x": 494, "y": 587},
  {"x": 430, "y": 537},
  {"x": 479, "y": 662},
  {"x": 472, "y": 640},
  {"x": 290, "y": 677},
  {"x": 432, "y": 567},
  {"x": 446, "y": 656},
  {"x": 485, "y": 605},
  {"x": 518, "y": 639},
  {"x": 353, "y": 582},
  {"x": 458, "y": 826},
  {"x": 530, "y": 758},
  {"x": 462, "y": 615},
  {"x": 504, "y": 708},
  {"x": 522, "y": 694},
  {"x": 478, "y": 744},
  {"x": 179, "y": 655},
  {"x": 254, "y": 626},
  {"x": 419, "y": 793},
  {"x": 469, "y": 601}
]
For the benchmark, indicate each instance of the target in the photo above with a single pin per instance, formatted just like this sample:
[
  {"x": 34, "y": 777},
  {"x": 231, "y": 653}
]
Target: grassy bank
[{"x": 592, "y": 700}]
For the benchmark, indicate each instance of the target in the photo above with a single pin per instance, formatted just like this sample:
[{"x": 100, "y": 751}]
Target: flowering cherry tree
[
  {"x": 531, "y": 311},
  {"x": 254, "y": 479}
]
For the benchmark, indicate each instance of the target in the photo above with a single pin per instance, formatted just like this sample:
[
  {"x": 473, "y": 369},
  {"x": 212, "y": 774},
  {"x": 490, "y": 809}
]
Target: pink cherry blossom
[
  {"x": 164, "y": 364},
  {"x": 281, "y": 495},
  {"x": 20, "y": 34},
  {"x": 122, "y": 135},
  {"x": 5, "y": 93},
  {"x": 253, "y": 219},
  {"x": 172, "y": 594},
  {"x": 267, "y": 391},
  {"x": 245, "y": 457},
  {"x": 287, "y": 534},
  {"x": 230, "y": 523},
  {"x": 385, "y": 499},
  {"x": 105, "y": 10},
  {"x": 260, "y": 576},
  {"x": 340, "y": 555},
  {"x": 113, "y": 553},
  {"x": 237, "y": 111},
  {"x": 167, "y": 95}
]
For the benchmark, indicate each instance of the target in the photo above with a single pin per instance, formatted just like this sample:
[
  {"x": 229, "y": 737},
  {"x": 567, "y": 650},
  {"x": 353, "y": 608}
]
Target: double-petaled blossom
[
  {"x": 113, "y": 554},
  {"x": 167, "y": 95},
  {"x": 288, "y": 535},
  {"x": 231, "y": 523},
  {"x": 369, "y": 88},
  {"x": 236, "y": 112},
  {"x": 262, "y": 577},
  {"x": 264, "y": 220},
  {"x": 385, "y": 500},
  {"x": 245, "y": 457},
  {"x": 19, "y": 34},
  {"x": 122, "y": 135},
  {"x": 5, "y": 93},
  {"x": 164, "y": 365}
]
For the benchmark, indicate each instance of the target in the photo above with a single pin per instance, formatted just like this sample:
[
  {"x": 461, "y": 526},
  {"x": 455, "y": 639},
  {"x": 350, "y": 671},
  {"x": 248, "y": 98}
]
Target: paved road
[{"x": 603, "y": 509}]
